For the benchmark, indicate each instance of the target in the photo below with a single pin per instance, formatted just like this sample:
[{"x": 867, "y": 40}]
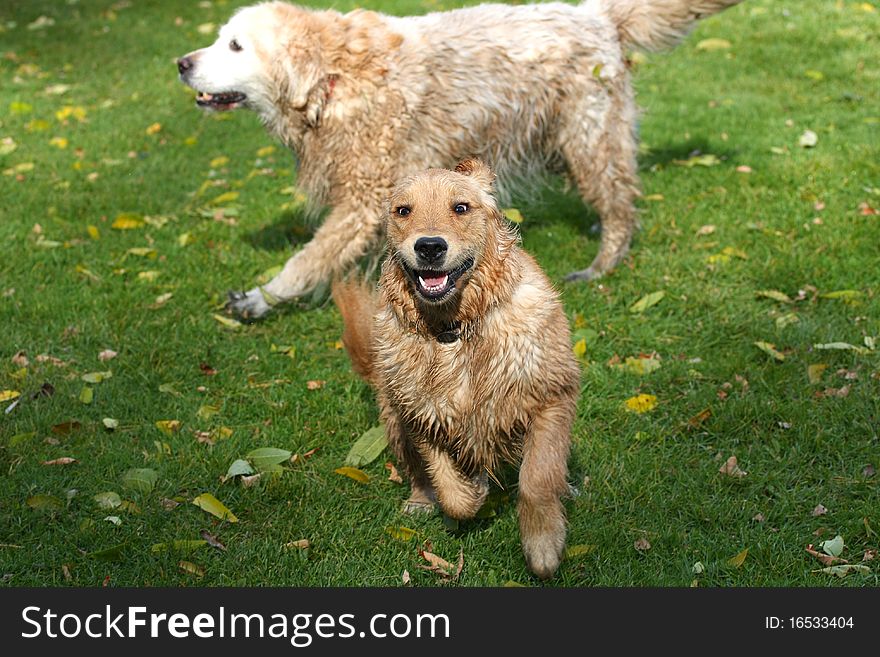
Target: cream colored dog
[
  {"x": 468, "y": 348},
  {"x": 363, "y": 99}
]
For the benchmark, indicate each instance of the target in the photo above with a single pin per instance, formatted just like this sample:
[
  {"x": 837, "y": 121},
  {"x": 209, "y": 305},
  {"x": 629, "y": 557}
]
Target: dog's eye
[
  {"x": 235, "y": 46},
  {"x": 460, "y": 208},
  {"x": 403, "y": 211}
]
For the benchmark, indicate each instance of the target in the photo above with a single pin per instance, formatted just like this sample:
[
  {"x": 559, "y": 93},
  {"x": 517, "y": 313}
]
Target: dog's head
[
  {"x": 441, "y": 226},
  {"x": 264, "y": 55}
]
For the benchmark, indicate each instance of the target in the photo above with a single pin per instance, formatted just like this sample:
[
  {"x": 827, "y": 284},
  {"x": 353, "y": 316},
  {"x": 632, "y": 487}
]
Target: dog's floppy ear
[{"x": 478, "y": 171}]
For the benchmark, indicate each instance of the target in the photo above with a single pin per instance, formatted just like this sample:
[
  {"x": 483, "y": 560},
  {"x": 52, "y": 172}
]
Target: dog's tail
[
  {"x": 357, "y": 303},
  {"x": 657, "y": 24}
]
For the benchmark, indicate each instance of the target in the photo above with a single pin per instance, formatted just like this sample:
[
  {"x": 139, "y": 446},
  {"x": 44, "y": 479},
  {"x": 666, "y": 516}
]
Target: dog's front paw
[
  {"x": 544, "y": 553},
  {"x": 247, "y": 305}
]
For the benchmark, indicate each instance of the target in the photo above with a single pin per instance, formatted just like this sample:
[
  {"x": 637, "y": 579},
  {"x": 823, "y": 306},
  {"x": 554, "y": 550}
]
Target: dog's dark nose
[
  {"x": 184, "y": 64},
  {"x": 431, "y": 250}
]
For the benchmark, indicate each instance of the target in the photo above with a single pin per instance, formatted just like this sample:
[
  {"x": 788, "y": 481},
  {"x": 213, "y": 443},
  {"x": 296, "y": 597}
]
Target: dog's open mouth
[
  {"x": 224, "y": 101},
  {"x": 436, "y": 285}
]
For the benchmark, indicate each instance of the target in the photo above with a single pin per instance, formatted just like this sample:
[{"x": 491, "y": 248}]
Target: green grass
[{"x": 651, "y": 475}]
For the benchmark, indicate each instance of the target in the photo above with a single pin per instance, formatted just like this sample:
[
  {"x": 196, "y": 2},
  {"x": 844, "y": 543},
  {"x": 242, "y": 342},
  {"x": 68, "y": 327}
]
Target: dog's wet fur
[
  {"x": 468, "y": 348},
  {"x": 364, "y": 99}
]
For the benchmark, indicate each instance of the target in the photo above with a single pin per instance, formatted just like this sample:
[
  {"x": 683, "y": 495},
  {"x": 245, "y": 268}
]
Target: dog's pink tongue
[{"x": 434, "y": 282}]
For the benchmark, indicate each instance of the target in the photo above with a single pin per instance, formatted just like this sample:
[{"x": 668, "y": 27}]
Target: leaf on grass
[
  {"x": 42, "y": 502},
  {"x": 815, "y": 371},
  {"x": 770, "y": 349},
  {"x": 168, "y": 427},
  {"x": 709, "y": 45},
  {"x": 209, "y": 503},
  {"x": 127, "y": 221},
  {"x": 820, "y": 510},
  {"x": 641, "y": 365},
  {"x": 358, "y": 475},
  {"x": 264, "y": 458},
  {"x": 21, "y": 438},
  {"x": 86, "y": 395},
  {"x": 647, "y": 301},
  {"x": 191, "y": 569},
  {"x": 439, "y": 565},
  {"x": 641, "y": 403},
  {"x": 400, "y": 533},
  {"x": 808, "y": 139},
  {"x": 107, "y": 354},
  {"x": 841, "y": 346},
  {"x": 65, "y": 428},
  {"x": 114, "y": 553},
  {"x": 827, "y": 559},
  {"x": 7, "y": 395},
  {"x": 140, "y": 479},
  {"x": 239, "y": 467},
  {"x": 64, "y": 460},
  {"x": 301, "y": 544},
  {"x": 315, "y": 384},
  {"x": 226, "y": 197},
  {"x": 846, "y": 295},
  {"x": 96, "y": 377},
  {"x": 844, "y": 570},
  {"x": 731, "y": 468},
  {"x": 776, "y": 295},
  {"x": 834, "y": 546},
  {"x": 228, "y": 322},
  {"x": 580, "y": 348},
  {"x": 212, "y": 540},
  {"x": 368, "y": 447},
  {"x": 738, "y": 560},
  {"x": 206, "y": 412},
  {"x": 108, "y": 500},
  {"x": 115, "y": 520},
  {"x": 575, "y": 551},
  {"x": 700, "y": 418},
  {"x": 393, "y": 474},
  {"x": 786, "y": 320},
  {"x": 642, "y": 544}
]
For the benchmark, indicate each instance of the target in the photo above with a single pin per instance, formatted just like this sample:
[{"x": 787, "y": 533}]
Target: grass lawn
[{"x": 96, "y": 131}]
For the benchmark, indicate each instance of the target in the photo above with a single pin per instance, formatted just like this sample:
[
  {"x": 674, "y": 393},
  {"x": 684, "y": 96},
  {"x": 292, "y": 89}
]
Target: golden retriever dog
[
  {"x": 363, "y": 99},
  {"x": 469, "y": 351}
]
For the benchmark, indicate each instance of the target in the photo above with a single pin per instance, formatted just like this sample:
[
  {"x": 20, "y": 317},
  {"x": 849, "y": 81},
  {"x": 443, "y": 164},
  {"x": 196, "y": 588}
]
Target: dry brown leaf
[
  {"x": 205, "y": 437},
  {"x": 249, "y": 480},
  {"x": 642, "y": 544},
  {"x": 819, "y": 511},
  {"x": 207, "y": 370},
  {"x": 869, "y": 555},
  {"x": 301, "y": 544},
  {"x": 758, "y": 517},
  {"x": 731, "y": 469},
  {"x": 64, "y": 460},
  {"x": 826, "y": 559},
  {"x": 212, "y": 540},
  {"x": 20, "y": 359},
  {"x": 836, "y": 392},
  {"x": 405, "y": 578},
  {"x": 46, "y": 358},
  {"x": 315, "y": 384},
  {"x": 65, "y": 569},
  {"x": 107, "y": 354},
  {"x": 169, "y": 504},
  {"x": 439, "y": 565},
  {"x": 393, "y": 475}
]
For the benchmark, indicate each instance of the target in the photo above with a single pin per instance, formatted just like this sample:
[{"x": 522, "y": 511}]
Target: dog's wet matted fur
[
  {"x": 364, "y": 99},
  {"x": 468, "y": 348}
]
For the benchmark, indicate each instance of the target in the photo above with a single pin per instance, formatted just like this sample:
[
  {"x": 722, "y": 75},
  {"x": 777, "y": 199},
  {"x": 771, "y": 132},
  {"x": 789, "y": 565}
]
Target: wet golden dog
[
  {"x": 468, "y": 348},
  {"x": 363, "y": 99}
]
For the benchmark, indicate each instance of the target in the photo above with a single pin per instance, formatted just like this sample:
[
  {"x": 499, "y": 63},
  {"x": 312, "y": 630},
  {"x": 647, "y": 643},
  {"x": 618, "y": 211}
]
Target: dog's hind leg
[
  {"x": 345, "y": 236},
  {"x": 600, "y": 153},
  {"x": 543, "y": 480}
]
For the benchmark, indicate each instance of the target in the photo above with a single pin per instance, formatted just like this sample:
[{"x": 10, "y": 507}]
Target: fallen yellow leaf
[{"x": 641, "y": 403}]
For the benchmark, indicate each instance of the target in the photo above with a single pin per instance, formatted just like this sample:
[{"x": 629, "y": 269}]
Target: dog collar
[{"x": 450, "y": 335}]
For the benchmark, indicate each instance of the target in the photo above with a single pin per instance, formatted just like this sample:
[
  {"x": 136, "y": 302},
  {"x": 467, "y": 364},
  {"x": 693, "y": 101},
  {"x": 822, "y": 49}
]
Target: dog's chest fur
[{"x": 473, "y": 396}]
